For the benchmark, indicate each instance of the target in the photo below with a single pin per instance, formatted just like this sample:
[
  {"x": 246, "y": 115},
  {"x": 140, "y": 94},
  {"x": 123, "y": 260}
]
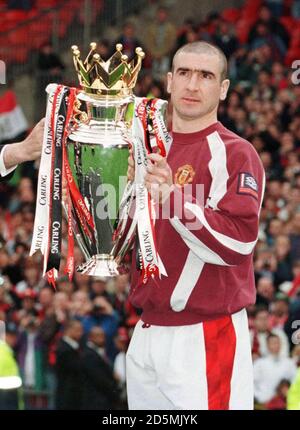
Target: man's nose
[{"x": 193, "y": 83}]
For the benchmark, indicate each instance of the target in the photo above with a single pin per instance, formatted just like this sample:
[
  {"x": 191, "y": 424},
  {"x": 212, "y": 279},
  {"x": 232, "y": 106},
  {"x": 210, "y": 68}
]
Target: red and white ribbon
[
  {"x": 41, "y": 222},
  {"x": 148, "y": 137}
]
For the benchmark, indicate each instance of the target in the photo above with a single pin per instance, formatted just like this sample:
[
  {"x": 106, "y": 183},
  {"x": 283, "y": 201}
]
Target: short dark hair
[
  {"x": 202, "y": 47},
  {"x": 272, "y": 335},
  {"x": 70, "y": 324}
]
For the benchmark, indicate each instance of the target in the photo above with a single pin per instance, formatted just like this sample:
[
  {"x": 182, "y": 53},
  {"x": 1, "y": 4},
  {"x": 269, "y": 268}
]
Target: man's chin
[{"x": 190, "y": 115}]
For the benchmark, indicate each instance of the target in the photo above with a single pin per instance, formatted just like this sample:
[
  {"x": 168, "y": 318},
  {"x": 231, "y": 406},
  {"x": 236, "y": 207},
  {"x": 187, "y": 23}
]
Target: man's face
[
  {"x": 274, "y": 345},
  {"x": 98, "y": 337},
  {"x": 76, "y": 332},
  {"x": 195, "y": 85},
  {"x": 261, "y": 321}
]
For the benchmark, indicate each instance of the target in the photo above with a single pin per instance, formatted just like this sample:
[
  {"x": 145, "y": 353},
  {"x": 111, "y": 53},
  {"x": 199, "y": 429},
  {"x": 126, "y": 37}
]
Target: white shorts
[{"x": 200, "y": 366}]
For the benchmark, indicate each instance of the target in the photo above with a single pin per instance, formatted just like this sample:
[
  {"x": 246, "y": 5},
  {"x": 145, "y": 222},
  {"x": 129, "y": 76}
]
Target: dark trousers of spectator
[{"x": 9, "y": 400}]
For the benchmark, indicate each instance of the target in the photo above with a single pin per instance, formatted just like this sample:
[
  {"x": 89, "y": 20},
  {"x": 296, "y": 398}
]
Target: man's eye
[
  {"x": 183, "y": 73},
  {"x": 206, "y": 75}
]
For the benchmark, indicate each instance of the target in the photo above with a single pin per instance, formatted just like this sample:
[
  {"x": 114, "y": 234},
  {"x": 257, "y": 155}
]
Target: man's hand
[
  {"x": 103, "y": 305},
  {"x": 131, "y": 166},
  {"x": 27, "y": 150},
  {"x": 159, "y": 178}
]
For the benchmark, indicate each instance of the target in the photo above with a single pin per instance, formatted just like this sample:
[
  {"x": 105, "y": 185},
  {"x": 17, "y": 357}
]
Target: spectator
[
  {"x": 119, "y": 298},
  {"x": 122, "y": 341},
  {"x": 273, "y": 25},
  {"x": 128, "y": 39},
  {"x": 10, "y": 380},
  {"x": 226, "y": 39},
  {"x": 31, "y": 358},
  {"x": 279, "y": 312},
  {"x": 103, "y": 315},
  {"x": 99, "y": 390},
  {"x": 260, "y": 332},
  {"x": 269, "y": 371},
  {"x": 293, "y": 396},
  {"x": 49, "y": 69},
  {"x": 189, "y": 25},
  {"x": 69, "y": 368},
  {"x": 278, "y": 402},
  {"x": 161, "y": 36},
  {"x": 295, "y": 10},
  {"x": 265, "y": 291}
]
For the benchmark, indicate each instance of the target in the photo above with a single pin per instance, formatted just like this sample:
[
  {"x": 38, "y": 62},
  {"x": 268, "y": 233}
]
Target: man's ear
[
  {"x": 224, "y": 89},
  {"x": 169, "y": 82}
]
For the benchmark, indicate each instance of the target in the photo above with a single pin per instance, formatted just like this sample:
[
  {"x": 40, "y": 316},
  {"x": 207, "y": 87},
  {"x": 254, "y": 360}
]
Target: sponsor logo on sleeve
[{"x": 247, "y": 185}]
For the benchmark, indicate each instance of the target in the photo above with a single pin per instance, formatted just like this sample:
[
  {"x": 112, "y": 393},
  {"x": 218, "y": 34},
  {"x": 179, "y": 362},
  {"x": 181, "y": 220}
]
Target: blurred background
[{"x": 261, "y": 40}]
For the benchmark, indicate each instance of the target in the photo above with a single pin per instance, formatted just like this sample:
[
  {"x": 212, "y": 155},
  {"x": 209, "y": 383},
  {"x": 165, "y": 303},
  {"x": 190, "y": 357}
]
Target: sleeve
[
  {"x": 224, "y": 230},
  {"x": 4, "y": 172}
]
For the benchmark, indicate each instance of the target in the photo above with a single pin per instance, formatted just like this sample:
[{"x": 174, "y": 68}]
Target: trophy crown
[{"x": 114, "y": 77}]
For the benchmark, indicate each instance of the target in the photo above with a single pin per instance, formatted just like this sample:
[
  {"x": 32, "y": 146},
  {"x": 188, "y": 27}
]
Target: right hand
[{"x": 131, "y": 166}]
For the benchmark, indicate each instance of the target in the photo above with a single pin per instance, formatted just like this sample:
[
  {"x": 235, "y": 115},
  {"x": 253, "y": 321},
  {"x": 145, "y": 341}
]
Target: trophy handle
[{"x": 80, "y": 116}]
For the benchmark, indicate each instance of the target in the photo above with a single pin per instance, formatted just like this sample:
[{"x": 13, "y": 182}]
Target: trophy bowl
[{"x": 98, "y": 156}]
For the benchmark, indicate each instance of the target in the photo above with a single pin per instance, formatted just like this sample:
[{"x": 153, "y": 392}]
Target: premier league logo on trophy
[{"x": 84, "y": 165}]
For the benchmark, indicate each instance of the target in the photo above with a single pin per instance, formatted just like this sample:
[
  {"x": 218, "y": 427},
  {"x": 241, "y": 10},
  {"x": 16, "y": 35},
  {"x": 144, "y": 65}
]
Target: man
[
  {"x": 99, "y": 389},
  {"x": 260, "y": 332},
  {"x": 15, "y": 153},
  {"x": 69, "y": 369},
  {"x": 191, "y": 349},
  {"x": 10, "y": 380},
  {"x": 161, "y": 38},
  {"x": 269, "y": 371}
]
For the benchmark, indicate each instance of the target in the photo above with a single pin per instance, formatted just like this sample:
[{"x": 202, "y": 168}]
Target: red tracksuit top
[{"x": 206, "y": 248}]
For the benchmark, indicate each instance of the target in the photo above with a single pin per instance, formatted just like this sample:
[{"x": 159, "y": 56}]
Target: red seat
[
  {"x": 292, "y": 55},
  {"x": 19, "y": 36},
  {"x": 288, "y": 22},
  {"x": 47, "y": 4},
  {"x": 15, "y": 15},
  {"x": 242, "y": 30},
  {"x": 231, "y": 14},
  {"x": 252, "y": 4},
  {"x": 295, "y": 42},
  {"x": 66, "y": 16},
  {"x": 5, "y": 26},
  {"x": 33, "y": 13},
  {"x": 19, "y": 54}
]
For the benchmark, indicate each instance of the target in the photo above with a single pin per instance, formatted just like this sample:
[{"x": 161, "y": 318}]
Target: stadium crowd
[{"x": 92, "y": 315}]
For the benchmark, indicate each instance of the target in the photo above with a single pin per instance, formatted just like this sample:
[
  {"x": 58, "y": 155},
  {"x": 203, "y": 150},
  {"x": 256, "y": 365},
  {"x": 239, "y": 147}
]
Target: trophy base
[{"x": 99, "y": 265}]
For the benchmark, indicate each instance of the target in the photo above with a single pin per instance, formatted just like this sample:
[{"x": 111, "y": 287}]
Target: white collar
[
  {"x": 100, "y": 351},
  {"x": 71, "y": 342}
]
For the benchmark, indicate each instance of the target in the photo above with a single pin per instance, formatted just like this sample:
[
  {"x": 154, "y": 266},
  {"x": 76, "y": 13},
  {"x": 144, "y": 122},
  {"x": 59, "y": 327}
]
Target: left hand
[
  {"x": 28, "y": 150},
  {"x": 159, "y": 178},
  {"x": 31, "y": 147}
]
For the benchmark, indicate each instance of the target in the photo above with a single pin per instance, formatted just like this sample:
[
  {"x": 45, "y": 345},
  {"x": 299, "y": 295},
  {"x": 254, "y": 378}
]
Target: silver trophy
[{"x": 97, "y": 150}]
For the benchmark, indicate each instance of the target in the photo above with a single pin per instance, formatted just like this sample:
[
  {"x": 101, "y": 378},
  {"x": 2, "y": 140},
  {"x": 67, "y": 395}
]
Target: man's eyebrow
[{"x": 186, "y": 69}]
